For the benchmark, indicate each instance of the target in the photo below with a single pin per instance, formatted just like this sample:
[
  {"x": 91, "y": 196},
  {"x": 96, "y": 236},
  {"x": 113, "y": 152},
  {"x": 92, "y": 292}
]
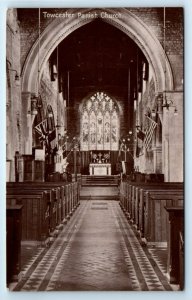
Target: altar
[{"x": 100, "y": 169}]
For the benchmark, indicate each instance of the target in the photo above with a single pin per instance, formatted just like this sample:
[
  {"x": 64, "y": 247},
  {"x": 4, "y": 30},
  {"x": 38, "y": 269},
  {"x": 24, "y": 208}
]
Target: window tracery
[{"x": 99, "y": 123}]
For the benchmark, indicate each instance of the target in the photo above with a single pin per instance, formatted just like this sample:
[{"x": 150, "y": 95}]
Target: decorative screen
[{"x": 99, "y": 124}]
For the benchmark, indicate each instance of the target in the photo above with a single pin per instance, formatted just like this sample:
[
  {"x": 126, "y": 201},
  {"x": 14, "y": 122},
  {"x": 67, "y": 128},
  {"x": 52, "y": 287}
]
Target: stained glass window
[{"x": 99, "y": 123}]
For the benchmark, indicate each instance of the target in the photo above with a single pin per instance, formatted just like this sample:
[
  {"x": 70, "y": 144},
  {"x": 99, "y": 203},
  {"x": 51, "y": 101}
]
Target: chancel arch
[{"x": 127, "y": 22}]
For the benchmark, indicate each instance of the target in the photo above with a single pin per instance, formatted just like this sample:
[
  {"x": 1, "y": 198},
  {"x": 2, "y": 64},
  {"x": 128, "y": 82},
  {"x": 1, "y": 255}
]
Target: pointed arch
[{"x": 127, "y": 22}]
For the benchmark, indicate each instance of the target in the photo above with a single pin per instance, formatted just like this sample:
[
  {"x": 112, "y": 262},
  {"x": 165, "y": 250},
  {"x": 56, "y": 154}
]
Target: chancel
[{"x": 94, "y": 149}]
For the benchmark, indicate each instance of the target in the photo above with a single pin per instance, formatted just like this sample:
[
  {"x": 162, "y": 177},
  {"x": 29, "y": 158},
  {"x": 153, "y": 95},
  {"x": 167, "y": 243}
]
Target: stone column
[
  {"x": 27, "y": 123},
  {"x": 157, "y": 156},
  {"x": 173, "y": 138}
]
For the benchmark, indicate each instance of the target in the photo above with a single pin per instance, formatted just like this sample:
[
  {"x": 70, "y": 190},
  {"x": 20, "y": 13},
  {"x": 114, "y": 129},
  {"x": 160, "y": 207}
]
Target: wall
[
  {"x": 78, "y": 95},
  {"x": 50, "y": 95},
  {"x": 14, "y": 141}
]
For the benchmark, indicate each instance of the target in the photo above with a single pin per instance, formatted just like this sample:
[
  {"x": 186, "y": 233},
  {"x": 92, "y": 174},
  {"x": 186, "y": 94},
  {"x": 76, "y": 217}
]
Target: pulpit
[{"x": 100, "y": 169}]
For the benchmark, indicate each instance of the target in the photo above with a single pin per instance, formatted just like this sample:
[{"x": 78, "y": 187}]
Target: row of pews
[
  {"x": 155, "y": 211},
  {"x": 36, "y": 212}
]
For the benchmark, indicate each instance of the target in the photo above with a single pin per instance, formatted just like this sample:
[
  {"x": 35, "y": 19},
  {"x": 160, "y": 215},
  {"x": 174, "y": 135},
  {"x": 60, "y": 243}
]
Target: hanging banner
[
  {"x": 41, "y": 128},
  {"x": 149, "y": 132}
]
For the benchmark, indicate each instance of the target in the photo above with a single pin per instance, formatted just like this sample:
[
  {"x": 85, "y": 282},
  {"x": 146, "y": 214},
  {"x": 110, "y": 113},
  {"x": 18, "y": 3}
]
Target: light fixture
[
  {"x": 50, "y": 114},
  {"x": 126, "y": 146},
  {"x": 34, "y": 101},
  {"x": 167, "y": 103},
  {"x": 161, "y": 102},
  {"x": 153, "y": 113}
]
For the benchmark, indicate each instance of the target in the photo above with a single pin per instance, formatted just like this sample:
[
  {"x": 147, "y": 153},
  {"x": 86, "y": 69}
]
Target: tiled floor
[{"x": 97, "y": 250}]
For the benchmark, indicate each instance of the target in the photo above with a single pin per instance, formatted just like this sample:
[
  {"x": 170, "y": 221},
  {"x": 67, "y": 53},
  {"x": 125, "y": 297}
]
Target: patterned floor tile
[{"x": 96, "y": 250}]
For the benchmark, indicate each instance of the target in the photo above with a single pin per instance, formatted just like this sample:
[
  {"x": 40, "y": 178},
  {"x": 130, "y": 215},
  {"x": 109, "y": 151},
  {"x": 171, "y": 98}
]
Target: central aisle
[{"x": 96, "y": 251}]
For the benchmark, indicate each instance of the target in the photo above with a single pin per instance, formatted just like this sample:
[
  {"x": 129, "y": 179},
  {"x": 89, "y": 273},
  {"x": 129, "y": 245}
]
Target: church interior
[{"x": 94, "y": 149}]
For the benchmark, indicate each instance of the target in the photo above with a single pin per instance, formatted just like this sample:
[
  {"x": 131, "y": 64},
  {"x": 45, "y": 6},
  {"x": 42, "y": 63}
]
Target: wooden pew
[
  {"x": 36, "y": 213},
  {"x": 13, "y": 242},
  {"x": 137, "y": 202},
  {"x": 175, "y": 260},
  {"x": 134, "y": 194},
  {"x": 141, "y": 214},
  {"x": 129, "y": 195},
  {"x": 155, "y": 223},
  {"x": 58, "y": 205},
  {"x": 54, "y": 199},
  {"x": 140, "y": 202},
  {"x": 122, "y": 195},
  {"x": 62, "y": 200}
]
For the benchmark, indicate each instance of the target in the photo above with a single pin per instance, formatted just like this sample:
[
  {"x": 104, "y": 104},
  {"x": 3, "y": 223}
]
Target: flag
[
  {"x": 141, "y": 135},
  {"x": 45, "y": 135},
  {"x": 149, "y": 132},
  {"x": 137, "y": 149},
  {"x": 120, "y": 149},
  {"x": 41, "y": 128},
  {"x": 52, "y": 135},
  {"x": 123, "y": 167}
]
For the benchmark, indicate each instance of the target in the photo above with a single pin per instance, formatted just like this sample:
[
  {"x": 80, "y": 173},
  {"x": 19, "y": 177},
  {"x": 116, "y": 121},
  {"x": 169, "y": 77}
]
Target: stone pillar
[
  {"x": 157, "y": 156},
  {"x": 173, "y": 138},
  {"x": 157, "y": 150},
  {"x": 27, "y": 118}
]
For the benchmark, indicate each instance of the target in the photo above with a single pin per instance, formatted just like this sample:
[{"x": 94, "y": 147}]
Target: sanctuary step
[
  {"x": 99, "y": 180},
  {"x": 99, "y": 188}
]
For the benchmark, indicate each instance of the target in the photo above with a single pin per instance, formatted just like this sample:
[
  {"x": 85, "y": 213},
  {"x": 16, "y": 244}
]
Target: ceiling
[{"x": 97, "y": 54}]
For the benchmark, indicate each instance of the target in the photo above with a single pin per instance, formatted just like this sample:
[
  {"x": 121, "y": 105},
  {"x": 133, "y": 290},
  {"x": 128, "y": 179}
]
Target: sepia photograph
[{"x": 94, "y": 149}]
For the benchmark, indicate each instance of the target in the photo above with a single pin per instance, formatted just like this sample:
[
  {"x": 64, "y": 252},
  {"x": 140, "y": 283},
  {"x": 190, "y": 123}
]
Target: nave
[
  {"x": 97, "y": 250},
  {"x": 94, "y": 149}
]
